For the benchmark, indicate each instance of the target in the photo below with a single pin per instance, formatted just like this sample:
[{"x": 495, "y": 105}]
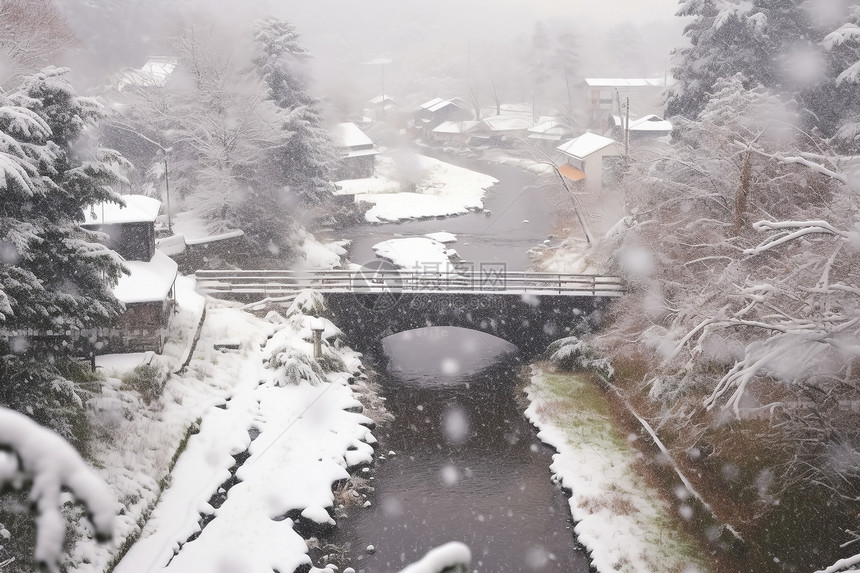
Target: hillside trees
[
  {"x": 32, "y": 32},
  {"x": 246, "y": 144},
  {"x": 54, "y": 276},
  {"x": 744, "y": 317},
  {"x": 304, "y": 165},
  {"x": 762, "y": 40}
]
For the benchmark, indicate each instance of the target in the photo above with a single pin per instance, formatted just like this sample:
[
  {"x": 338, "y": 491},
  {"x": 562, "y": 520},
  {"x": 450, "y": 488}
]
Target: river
[
  {"x": 503, "y": 236},
  {"x": 468, "y": 466}
]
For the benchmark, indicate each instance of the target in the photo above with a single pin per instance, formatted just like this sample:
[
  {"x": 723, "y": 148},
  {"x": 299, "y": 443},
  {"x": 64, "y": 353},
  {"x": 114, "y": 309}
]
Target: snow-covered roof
[
  {"x": 149, "y": 281},
  {"x": 349, "y": 135},
  {"x": 650, "y": 123},
  {"x": 137, "y": 209},
  {"x": 381, "y": 98},
  {"x": 455, "y": 126},
  {"x": 584, "y": 145},
  {"x": 436, "y": 104},
  {"x": 194, "y": 230},
  {"x": 432, "y": 103},
  {"x": 507, "y": 123},
  {"x": 550, "y": 126},
  {"x": 153, "y": 73},
  {"x": 624, "y": 82}
]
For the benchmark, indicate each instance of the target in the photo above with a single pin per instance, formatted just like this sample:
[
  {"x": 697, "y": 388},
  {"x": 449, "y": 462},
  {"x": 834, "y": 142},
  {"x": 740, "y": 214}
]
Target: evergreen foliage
[{"x": 54, "y": 275}]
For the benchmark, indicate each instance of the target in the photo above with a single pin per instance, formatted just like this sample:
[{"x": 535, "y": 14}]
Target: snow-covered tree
[
  {"x": 40, "y": 461},
  {"x": 743, "y": 308},
  {"x": 54, "y": 276},
  {"x": 732, "y": 36},
  {"x": 31, "y": 33},
  {"x": 834, "y": 102},
  {"x": 304, "y": 164}
]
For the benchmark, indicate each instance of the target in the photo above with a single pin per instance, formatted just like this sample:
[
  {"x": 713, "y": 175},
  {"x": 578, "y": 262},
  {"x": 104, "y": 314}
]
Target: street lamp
[{"x": 164, "y": 151}]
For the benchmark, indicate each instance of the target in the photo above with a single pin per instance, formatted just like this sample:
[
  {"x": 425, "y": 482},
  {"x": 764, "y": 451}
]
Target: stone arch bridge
[{"x": 528, "y": 309}]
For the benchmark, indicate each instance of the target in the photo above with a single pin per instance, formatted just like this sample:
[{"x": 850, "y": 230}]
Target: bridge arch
[{"x": 529, "y": 323}]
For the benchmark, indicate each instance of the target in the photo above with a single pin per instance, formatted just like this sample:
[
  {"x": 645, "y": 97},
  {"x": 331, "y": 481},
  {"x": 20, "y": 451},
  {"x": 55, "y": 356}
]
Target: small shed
[
  {"x": 148, "y": 290},
  {"x": 357, "y": 152},
  {"x": 592, "y": 160}
]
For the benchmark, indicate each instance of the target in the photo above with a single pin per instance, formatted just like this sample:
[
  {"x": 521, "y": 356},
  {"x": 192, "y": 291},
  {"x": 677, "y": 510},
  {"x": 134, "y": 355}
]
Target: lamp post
[{"x": 164, "y": 151}]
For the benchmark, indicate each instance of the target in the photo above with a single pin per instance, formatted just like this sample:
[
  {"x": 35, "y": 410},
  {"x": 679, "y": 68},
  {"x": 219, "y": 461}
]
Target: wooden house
[
  {"x": 431, "y": 114},
  {"x": 148, "y": 290},
  {"x": 549, "y": 132},
  {"x": 591, "y": 160},
  {"x": 607, "y": 96},
  {"x": 357, "y": 152}
]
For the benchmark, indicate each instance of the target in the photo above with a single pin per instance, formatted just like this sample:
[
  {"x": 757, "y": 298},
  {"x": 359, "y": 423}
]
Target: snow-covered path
[{"x": 276, "y": 430}]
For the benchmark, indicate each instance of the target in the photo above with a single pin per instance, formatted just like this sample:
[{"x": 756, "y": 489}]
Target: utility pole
[{"x": 627, "y": 134}]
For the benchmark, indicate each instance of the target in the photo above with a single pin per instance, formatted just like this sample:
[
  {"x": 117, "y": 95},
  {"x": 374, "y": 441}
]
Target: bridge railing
[{"x": 284, "y": 283}]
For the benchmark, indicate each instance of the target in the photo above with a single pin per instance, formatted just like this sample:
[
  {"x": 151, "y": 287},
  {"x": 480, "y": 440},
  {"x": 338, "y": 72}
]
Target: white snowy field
[
  {"x": 621, "y": 520},
  {"x": 298, "y": 426},
  {"x": 407, "y": 185}
]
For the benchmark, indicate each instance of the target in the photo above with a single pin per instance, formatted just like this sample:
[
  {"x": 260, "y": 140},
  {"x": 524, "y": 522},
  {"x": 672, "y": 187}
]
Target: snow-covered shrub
[
  {"x": 147, "y": 379},
  {"x": 573, "y": 353},
  {"x": 309, "y": 302},
  {"x": 295, "y": 366}
]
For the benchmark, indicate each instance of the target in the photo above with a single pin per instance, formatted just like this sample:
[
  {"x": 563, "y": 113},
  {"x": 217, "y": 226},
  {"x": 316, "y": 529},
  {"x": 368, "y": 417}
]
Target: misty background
[{"x": 435, "y": 49}]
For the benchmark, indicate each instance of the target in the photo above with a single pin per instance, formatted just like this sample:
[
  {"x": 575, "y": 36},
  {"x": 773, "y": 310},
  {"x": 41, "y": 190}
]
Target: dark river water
[
  {"x": 468, "y": 465},
  {"x": 501, "y": 236}
]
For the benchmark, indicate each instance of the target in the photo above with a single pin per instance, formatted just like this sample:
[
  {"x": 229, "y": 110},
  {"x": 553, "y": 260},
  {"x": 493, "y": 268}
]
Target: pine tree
[
  {"x": 305, "y": 164},
  {"x": 730, "y": 37},
  {"x": 833, "y": 105},
  {"x": 54, "y": 275}
]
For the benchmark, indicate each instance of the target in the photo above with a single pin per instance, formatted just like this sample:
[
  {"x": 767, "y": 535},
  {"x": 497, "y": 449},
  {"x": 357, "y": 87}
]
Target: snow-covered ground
[
  {"x": 419, "y": 254},
  {"x": 297, "y": 428},
  {"x": 412, "y": 186},
  {"x": 621, "y": 520}
]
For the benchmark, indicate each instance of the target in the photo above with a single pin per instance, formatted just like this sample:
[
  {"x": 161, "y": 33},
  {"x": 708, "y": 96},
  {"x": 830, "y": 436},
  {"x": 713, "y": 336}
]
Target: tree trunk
[{"x": 742, "y": 195}]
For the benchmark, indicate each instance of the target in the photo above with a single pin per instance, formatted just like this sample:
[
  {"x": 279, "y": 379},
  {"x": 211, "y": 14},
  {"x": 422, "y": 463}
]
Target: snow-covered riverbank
[
  {"x": 407, "y": 185},
  {"x": 273, "y": 431},
  {"x": 622, "y": 521}
]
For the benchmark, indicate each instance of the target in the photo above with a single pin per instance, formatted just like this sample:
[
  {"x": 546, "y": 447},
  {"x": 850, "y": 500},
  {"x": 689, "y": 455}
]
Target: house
[
  {"x": 593, "y": 161},
  {"x": 381, "y": 107},
  {"x": 357, "y": 152},
  {"x": 644, "y": 132},
  {"x": 549, "y": 132},
  {"x": 649, "y": 127},
  {"x": 432, "y": 113},
  {"x": 454, "y": 131},
  {"x": 148, "y": 290},
  {"x": 606, "y": 96},
  {"x": 505, "y": 129}
]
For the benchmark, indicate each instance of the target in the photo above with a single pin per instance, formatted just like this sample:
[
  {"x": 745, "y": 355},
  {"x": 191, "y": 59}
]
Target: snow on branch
[
  {"x": 842, "y": 564},
  {"x": 844, "y": 33},
  {"x": 789, "y": 231},
  {"x": 43, "y": 457},
  {"x": 802, "y": 159}
]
